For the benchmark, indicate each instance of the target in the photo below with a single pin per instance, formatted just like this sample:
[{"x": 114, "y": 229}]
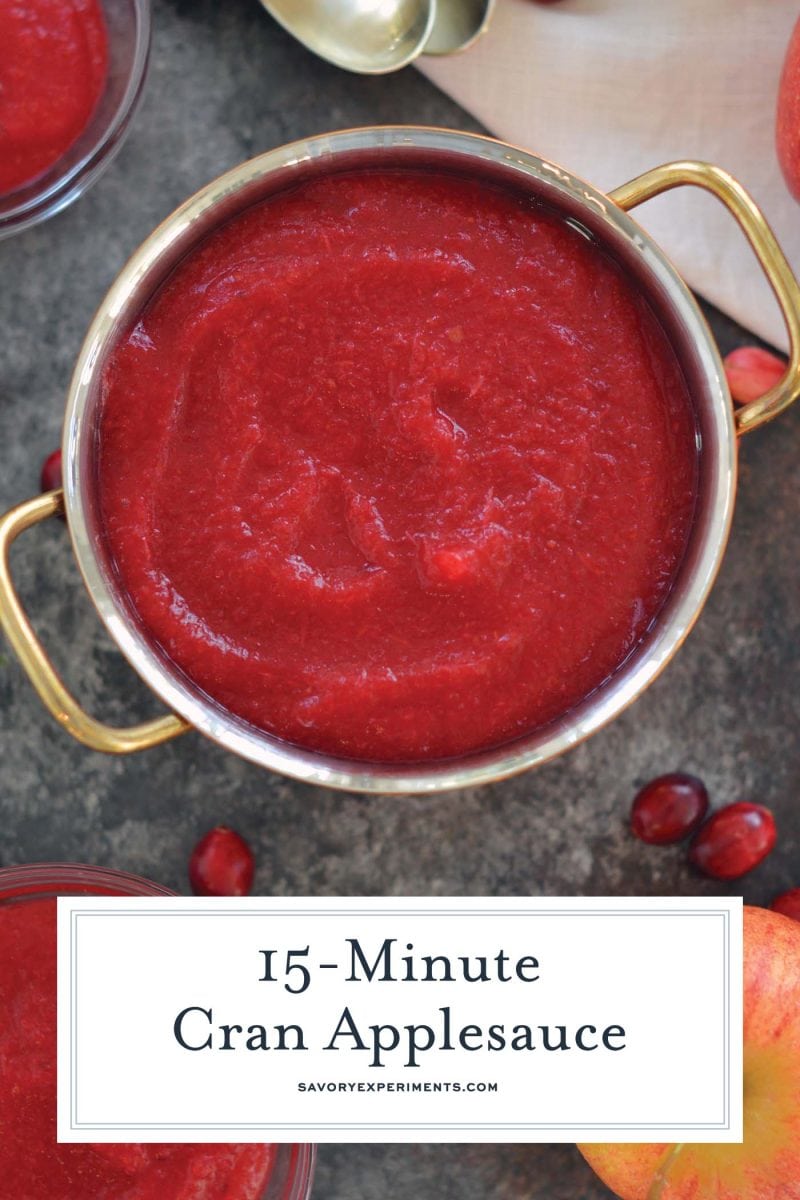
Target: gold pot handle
[
  {"x": 768, "y": 252},
  {"x": 38, "y": 667}
]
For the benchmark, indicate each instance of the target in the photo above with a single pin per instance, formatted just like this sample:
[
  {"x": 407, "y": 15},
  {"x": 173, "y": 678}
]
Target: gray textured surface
[{"x": 226, "y": 83}]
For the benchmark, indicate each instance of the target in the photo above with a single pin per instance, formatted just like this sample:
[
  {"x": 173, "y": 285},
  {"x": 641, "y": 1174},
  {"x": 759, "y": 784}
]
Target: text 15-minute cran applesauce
[
  {"x": 33, "y": 1165},
  {"x": 53, "y": 67},
  {"x": 397, "y": 465}
]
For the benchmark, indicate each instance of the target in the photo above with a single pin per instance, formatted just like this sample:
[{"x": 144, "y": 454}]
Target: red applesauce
[
  {"x": 32, "y": 1165},
  {"x": 397, "y": 465},
  {"x": 53, "y": 68}
]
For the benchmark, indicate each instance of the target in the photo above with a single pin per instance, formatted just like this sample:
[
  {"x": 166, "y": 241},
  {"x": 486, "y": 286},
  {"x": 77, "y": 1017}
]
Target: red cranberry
[
  {"x": 733, "y": 841},
  {"x": 221, "y": 864},
  {"x": 751, "y": 372},
  {"x": 669, "y": 809},
  {"x": 50, "y": 478},
  {"x": 788, "y": 904}
]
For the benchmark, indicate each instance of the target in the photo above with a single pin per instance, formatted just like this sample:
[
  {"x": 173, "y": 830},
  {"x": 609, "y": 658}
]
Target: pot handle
[
  {"x": 37, "y": 665},
  {"x": 757, "y": 231}
]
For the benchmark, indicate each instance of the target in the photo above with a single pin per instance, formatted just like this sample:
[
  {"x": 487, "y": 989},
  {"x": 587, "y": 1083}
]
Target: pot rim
[{"x": 632, "y": 677}]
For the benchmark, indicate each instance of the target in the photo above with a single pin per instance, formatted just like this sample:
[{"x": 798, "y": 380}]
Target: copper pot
[{"x": 606, "y": 218}]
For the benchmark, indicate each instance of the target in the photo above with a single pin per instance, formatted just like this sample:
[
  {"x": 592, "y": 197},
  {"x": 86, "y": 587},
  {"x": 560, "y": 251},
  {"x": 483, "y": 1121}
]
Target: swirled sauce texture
[
  {"x": 53, "y": 67},
  {"x": 397, "y": 466},
  {"x": 33, "y": 1166}
]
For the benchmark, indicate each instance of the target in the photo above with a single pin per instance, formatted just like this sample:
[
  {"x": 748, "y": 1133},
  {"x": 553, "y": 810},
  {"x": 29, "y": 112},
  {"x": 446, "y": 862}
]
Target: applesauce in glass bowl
[
  {"x": 32, "y": 1164},
  {"x": 73, "y": 73}
]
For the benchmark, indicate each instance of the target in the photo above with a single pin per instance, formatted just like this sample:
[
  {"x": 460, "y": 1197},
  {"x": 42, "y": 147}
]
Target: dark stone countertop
[{"x": 225, "y": 83}]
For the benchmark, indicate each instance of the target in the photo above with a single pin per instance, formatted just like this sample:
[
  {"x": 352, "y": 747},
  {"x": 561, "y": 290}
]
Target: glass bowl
[
  {"x": 128, "y": 25},
  {"x": 292, "y": 1173}
]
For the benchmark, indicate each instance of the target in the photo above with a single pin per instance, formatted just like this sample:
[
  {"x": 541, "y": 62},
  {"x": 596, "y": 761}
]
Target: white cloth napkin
[{"x": 608, "y": 88}]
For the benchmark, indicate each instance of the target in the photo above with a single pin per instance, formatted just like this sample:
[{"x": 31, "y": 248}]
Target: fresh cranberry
[
  {"x": 733, "y": 841},
  {"x": 751, "y": 372},
  {"x": 221, "y": 864},
  {"x": 669, "y": 809},
  {"x": 788, "y": 904},
  {"x": 50, "y": 478}
]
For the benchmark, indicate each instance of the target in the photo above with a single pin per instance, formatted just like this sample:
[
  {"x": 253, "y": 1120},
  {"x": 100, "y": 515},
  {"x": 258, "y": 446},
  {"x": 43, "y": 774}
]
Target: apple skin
[
  {"x": 766, "y": 1166},
  {"x": 788, "y": 118}
]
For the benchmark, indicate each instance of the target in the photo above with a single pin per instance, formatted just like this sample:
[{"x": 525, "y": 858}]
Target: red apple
[
  {"x": 766, "y": 1166},
  {"x": 751, "y": 372},
  {"x": 788, "y": 122}
]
